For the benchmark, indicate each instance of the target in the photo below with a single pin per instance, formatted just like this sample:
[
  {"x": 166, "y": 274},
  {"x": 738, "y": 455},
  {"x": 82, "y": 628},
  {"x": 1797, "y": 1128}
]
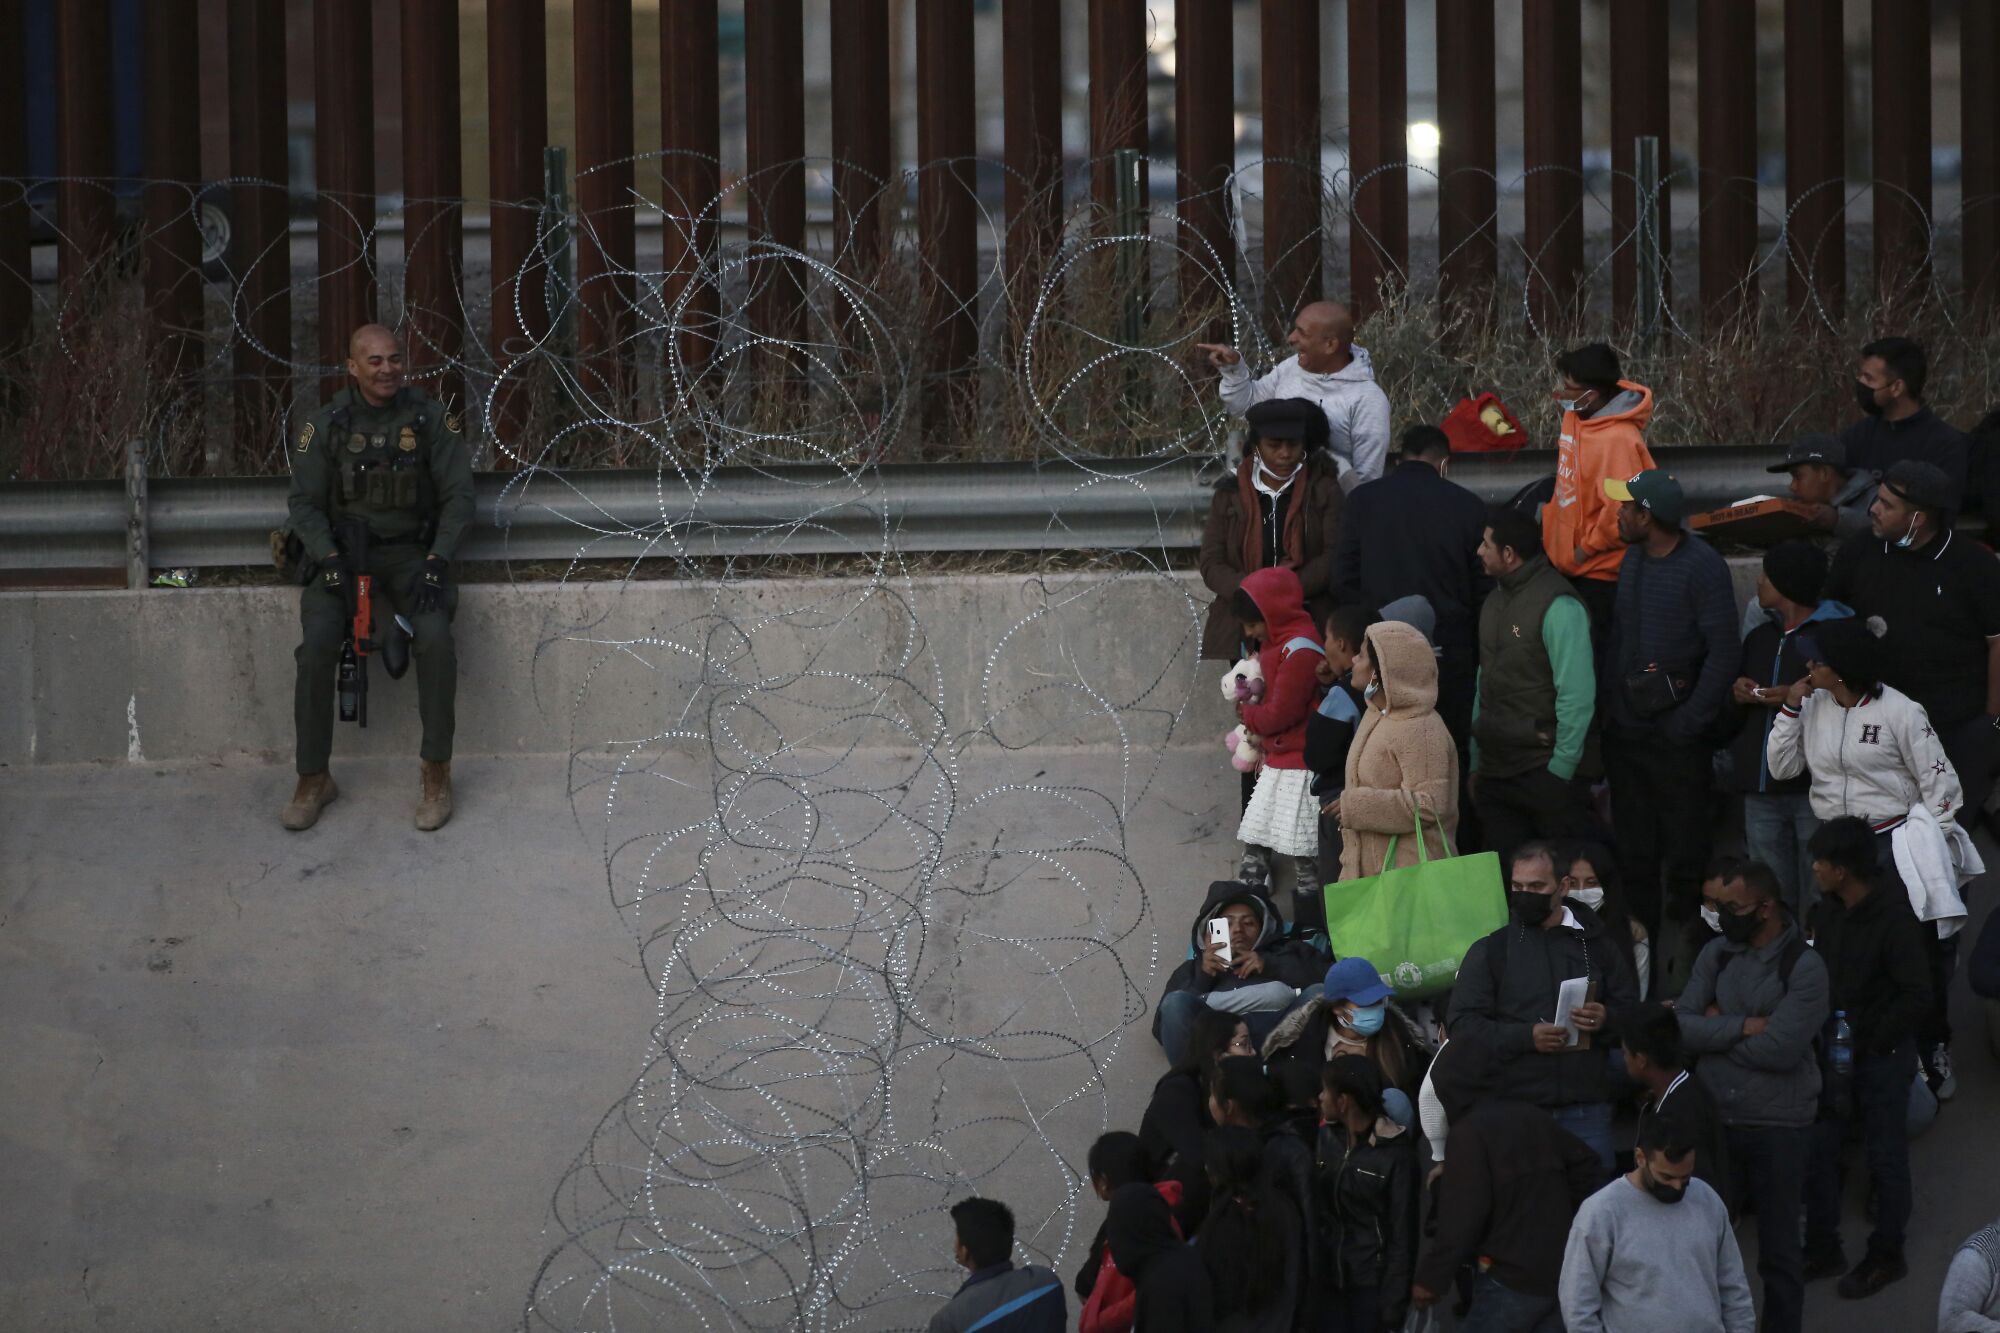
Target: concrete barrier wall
[{"x": 206, "y": 673}]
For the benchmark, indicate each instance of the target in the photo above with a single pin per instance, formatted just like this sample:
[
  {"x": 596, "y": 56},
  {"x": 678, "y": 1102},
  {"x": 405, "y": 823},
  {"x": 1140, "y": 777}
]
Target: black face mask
[
  {"x": 1866, "y": 397},
  {"x": 1664, "y": 1193},
  {"x": 1527, "y": 909},
  {"x": 1739, "y": 929}
]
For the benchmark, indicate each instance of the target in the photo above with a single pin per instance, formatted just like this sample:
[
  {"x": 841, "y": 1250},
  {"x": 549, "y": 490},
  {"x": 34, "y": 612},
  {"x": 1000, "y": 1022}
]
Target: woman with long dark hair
[
  {"x": 1591, "y": 878},
  {"x": 1177, "y": 1119},
  {"x": 1250, "y": 1242}
]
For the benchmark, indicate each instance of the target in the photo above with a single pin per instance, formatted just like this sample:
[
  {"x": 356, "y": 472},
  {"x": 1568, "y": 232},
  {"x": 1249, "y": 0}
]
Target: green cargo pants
[{"x": 323, "y": 615}]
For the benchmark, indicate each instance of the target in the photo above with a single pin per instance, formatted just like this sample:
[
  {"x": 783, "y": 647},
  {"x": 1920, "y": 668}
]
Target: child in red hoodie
[{"x": 1282, "y": 817}]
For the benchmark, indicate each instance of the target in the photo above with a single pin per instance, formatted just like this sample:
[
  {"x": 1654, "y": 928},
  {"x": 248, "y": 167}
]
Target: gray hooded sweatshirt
[
  {"x": 1771, "y": 1079},
  {"x": 1357, "y": 411}
]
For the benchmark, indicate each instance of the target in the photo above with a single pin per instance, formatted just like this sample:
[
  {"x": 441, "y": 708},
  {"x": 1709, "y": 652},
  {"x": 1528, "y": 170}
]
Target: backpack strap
[
  {"x": 1300, "y": 642},
  {"x": 1795, "y": 949}
]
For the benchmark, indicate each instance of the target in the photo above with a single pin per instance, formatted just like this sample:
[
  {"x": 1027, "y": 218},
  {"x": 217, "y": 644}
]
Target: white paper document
[{"x": 1569, "y": 995}]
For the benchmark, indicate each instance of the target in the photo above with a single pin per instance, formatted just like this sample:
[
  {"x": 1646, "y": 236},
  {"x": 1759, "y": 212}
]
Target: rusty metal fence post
[
  {"x": 1552, "y": 106},
  {"x": 1378, "y": 130},
  {"x": 1293, "y": 228},
  {"x": 1815, "y": 159},
  {"x": 1468, "y": 231}
]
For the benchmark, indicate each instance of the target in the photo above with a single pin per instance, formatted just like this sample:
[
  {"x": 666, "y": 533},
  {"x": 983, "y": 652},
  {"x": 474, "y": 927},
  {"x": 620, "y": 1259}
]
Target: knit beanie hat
[
  {"x": 1797, "y": 570},
  {"x": 1853, "y": 648}
]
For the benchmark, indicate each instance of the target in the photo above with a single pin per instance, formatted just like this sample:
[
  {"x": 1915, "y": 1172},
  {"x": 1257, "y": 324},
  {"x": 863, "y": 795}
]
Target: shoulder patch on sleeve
[{"x": 306, "y": 437}]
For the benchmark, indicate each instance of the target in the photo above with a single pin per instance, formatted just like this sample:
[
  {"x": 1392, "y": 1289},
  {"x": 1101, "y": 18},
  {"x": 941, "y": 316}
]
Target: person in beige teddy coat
[{"x": 1402, "y": 758}]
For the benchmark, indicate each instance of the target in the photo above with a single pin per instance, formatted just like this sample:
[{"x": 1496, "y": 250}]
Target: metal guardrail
[{"x": 1110, "y": 505}]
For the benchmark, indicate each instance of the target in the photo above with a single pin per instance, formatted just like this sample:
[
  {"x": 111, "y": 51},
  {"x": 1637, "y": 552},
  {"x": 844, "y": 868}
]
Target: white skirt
[{"x": 1283, "y": 814}]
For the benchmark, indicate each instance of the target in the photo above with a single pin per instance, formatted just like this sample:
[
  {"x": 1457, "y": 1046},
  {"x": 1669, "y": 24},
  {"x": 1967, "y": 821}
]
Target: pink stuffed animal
[
  {"x": 1246, "y": 755},
  {"x": 1244, "y": 682}
]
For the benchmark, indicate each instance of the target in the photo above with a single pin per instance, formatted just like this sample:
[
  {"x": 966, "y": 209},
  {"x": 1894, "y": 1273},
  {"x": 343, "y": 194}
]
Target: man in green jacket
[
  {"x": 387, "y": 459},
  {"x": 1533, "y": 746}
]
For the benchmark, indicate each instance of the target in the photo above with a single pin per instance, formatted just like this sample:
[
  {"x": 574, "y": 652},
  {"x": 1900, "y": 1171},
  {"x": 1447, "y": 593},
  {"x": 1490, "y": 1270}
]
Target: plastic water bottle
[{"x": 1842, "y": 1054}]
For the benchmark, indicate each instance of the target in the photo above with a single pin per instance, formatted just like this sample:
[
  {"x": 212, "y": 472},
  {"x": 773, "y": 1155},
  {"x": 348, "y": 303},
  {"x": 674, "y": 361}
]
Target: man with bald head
[
  {"x": 1327, "y": 368},
  {"x": 386, "y": 460}
]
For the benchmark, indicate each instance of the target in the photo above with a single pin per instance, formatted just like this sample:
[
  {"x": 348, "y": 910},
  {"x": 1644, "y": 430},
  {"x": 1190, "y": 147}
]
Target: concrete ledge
[
  {"x": 546, "y": 668},
  {"x": 207, "y": 673}
]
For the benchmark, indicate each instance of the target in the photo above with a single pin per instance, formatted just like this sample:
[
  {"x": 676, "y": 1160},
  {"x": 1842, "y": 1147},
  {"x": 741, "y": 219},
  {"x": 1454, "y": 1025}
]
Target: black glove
[
  {"x": 333, "y": 573},
  {"x": 432, "y": 584}
]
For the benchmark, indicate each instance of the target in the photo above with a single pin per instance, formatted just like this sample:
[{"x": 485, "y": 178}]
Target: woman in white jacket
[
  {"x": 1870, "y": 748},
  {"x": 1874, "y": 754}
]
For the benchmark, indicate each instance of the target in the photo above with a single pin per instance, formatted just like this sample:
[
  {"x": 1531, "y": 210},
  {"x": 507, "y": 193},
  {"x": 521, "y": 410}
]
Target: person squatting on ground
[
  {"x": 998, "y": 1297},
  {"x": 387, "y": 459},
  {"x": 1653, "y": 1252},
  {"x": 1755, "y": 1003},
  {"x": 1402, "y": 769},
  {"x": 1327, "y": 370},
  {"x": 1354, "y": 1015},
  {"x": 1534, "y": 748},
  {"x": 1281, "y": 818},
  {"x": 1662, "y": 687},
  {"x": 1262, "y": 978},
  {"x": 1506, "y": 1001},
  {"x": 1873, "y": 948}
]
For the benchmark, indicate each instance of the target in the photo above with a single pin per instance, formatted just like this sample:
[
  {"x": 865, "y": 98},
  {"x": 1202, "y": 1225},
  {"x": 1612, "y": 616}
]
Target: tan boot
[
  {"x": 434, "y": 806},
  {"x": 314, "y": 793}
]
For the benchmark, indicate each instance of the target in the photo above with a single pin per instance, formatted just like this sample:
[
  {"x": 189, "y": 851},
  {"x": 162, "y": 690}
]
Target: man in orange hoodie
[{"x": 1604, "y": 419}]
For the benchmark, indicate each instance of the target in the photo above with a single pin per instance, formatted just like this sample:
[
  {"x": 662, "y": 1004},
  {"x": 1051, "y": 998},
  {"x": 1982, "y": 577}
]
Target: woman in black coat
[{"x": 1365, "y": 1181}]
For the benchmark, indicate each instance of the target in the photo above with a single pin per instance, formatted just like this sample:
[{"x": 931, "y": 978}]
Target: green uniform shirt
[{"x": 351, "y": 460}]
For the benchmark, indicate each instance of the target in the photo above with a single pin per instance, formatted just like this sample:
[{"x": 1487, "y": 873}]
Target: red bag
[{"x": 1482, "y": 425}]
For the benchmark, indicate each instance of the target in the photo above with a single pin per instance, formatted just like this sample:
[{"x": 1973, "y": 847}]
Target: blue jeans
[
  {"x": 1177, "y": 1015},
  {"x": 1591, "y": 1122},
  {"x": 1498, "y": 1309},
  {"x": 1769, "y": 1163},
  {"x": 1881, "y": 1118},
  {"x": 1776, "y": 830}
]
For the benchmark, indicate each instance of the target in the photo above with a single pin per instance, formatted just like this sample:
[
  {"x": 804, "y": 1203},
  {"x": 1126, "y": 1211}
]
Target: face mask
[
  {"x": 1712, "y": 919},
  {"x": 1568, "y": 404},
  {"x": 1664, "y": 1193},
  {"x": 1366, "y": 1019},
  {"x": 1527, "y": 909},
  {"x": 1592, "y": 897},
  {"x": 1908, "y": 539},
  {"x": 1739, "y": 929},
  {"x": 1866, "y": 397},
  {"x": 1374, "y": 688}
]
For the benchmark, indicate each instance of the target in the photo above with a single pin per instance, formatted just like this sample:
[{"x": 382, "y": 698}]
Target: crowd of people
[{"x": 1567, "y": 680}]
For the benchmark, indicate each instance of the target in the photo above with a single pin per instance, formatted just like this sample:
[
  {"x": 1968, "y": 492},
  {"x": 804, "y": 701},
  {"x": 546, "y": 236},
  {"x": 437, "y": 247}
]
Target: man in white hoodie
[{"x": 1327, "y": 368}]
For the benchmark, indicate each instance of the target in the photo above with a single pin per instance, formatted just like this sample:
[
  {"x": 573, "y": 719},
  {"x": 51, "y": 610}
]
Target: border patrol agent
[{"x": 387, "y": 455}]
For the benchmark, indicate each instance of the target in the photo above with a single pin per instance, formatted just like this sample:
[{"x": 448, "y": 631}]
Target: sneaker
[
  {"x": 1873, "y": 1273},
  {"x": 1937, "y": 1072},
  {"x": 1824, "y": 1263}
]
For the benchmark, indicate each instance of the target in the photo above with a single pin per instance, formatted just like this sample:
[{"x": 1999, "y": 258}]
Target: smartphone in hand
[{"x": 1218, "y": 933}]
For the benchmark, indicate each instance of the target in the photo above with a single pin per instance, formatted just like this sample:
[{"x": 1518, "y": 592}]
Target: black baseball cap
[
  {"x": 1922, "y": 484},
  {"x": 1814, "y": 448}
]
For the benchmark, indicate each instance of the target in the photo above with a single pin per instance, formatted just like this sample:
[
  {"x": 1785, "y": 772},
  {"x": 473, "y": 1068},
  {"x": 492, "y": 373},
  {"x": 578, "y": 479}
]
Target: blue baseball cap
[{"x": 1356, "y": 981}]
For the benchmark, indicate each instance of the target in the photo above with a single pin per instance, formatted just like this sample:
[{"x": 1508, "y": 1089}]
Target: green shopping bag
[{"x": 1415, "y": 924}]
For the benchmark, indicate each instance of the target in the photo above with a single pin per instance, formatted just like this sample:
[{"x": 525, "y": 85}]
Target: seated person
[
  {"x": 1354, "y": 1015},
  {"x": 1262, "y": 978}
]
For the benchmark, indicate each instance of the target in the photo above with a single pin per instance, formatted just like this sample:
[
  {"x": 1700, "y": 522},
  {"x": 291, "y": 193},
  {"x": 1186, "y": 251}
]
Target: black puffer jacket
[
  {"x": 1508, "y": 983},
  {"x": 1366, "y": 1213},
  {"x": 1293, "y": 962}
]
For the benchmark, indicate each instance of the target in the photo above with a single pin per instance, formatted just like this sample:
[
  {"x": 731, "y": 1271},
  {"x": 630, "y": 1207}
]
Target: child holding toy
[{"x": 1282, "y": 818}]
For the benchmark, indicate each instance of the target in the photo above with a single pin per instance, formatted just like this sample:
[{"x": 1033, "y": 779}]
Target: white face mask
[
  {"x": 1592, "y": 897},
  {"x": 1908, "y": 539},
  {"x": 1712, "y": 919}
]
